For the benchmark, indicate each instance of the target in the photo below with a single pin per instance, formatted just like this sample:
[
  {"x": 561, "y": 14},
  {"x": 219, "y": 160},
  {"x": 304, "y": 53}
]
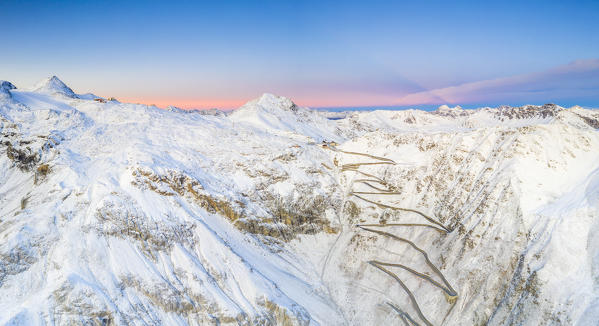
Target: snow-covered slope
[{"x": 114, "y": 213}]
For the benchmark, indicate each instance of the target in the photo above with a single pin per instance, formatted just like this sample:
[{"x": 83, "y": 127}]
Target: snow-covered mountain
[
  {"x": 5, "y": 88},
  {"x": 126, "y": 214},
  {"x": 53, "y": 86}
]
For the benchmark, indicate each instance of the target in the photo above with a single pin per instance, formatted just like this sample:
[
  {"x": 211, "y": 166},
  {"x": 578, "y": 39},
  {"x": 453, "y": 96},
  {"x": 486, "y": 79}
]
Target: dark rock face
[
  {"x": 593, "y": 122},
  {"x": 527, "y": 112},
  {"x": 6, "y": 85}
]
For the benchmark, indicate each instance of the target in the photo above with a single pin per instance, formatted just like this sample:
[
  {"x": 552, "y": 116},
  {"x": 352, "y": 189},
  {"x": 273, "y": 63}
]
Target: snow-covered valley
[{"x": 273, "y": 214}]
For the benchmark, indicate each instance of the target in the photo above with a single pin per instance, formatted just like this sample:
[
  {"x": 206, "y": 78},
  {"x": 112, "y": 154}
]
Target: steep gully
[{"x": 384, "y": 189}]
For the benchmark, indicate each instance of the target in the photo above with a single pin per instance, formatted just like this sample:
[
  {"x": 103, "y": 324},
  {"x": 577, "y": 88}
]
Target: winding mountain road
[{"x": 451, "y": 294}]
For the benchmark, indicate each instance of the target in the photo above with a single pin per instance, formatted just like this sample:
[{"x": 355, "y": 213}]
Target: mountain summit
[
  {"x": 5, "y": 88},
  {"x": 271, "y": 101},
  {"x": 6, "y": 85},
  {"x": 279, "y": 114},
  {"x": 53, "y": 85}
]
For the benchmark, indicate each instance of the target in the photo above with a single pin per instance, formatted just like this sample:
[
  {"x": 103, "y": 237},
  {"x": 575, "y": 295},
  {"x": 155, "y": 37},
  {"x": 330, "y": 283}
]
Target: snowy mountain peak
[
  {"x": 5, "y": 88},
  {"x": 528, "y": 111},
  {"x": 53, "y": 85},
  {"x": 270, "y": 101},
  {"x": 446, "y": 110},
  {"x": 6, "y": 85},
  {"x": 280, "y": 115}
]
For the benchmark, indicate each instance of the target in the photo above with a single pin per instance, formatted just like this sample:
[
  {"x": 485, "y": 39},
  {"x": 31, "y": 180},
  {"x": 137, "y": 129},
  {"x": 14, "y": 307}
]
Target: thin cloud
[{"x": 577, "y": 79}]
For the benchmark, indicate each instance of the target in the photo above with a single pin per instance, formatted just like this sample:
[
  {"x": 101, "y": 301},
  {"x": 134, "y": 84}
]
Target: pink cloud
[{"x": 579, "y": 79}]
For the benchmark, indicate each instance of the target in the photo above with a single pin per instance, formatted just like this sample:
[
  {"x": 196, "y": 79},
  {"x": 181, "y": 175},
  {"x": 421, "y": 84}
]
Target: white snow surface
[{"x": 103, "y": 216}]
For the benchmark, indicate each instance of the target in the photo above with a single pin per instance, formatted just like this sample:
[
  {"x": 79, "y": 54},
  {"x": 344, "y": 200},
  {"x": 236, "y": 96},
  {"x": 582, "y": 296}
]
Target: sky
[{"x": 196, "y": 54}]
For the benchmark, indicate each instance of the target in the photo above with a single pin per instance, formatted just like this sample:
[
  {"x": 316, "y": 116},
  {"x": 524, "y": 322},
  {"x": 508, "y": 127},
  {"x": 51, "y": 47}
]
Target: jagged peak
[
  {"x": 5, "y": 88},
  {"x": 446, "y": 110},
  {"x": 53, "y": 85},
  {"x": 528, "y": 111},
  {"x": 6, "y": 85}
]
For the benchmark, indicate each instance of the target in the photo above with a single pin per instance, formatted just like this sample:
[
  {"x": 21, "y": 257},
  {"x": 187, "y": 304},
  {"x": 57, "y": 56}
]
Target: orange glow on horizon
[
  {"x": 223, "y": 104},
  {"x": 230, "y": 104}
]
